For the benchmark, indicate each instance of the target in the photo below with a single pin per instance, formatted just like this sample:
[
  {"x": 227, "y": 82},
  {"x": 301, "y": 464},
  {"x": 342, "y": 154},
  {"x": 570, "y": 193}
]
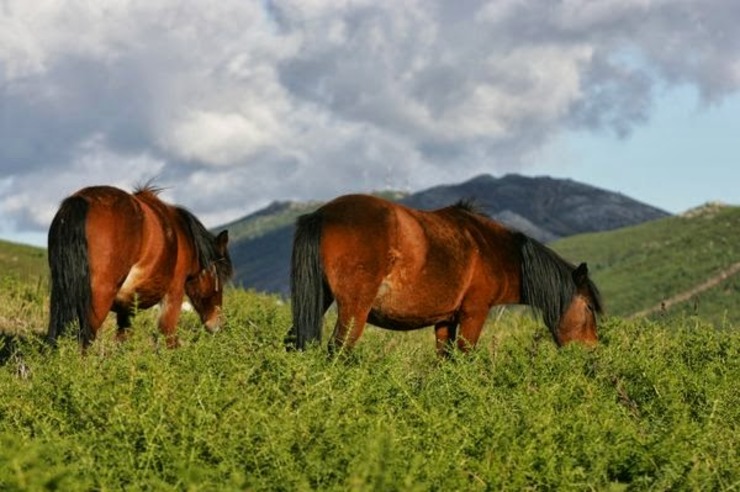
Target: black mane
[
  {"x": 205, "y": 246},
  {"x": 547, "y": 282},
  {"x": 469, "y": 205},
  {"x": 148, "y": 187}
]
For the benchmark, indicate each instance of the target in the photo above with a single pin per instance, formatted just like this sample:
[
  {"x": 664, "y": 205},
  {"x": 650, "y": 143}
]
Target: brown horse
[
  {"x": 403, "y": 269},
  {"x": 113, "y": 251}
]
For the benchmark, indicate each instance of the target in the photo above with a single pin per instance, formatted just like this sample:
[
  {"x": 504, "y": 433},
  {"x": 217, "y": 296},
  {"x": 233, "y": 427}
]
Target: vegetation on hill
[
  {"x": 21, "y": 261},
  {"x": 23, "y": 287},
  {"x": 639, "y": 267},
  {"x": 655, "y": 407},
  {"x": 275, "y": 216}
]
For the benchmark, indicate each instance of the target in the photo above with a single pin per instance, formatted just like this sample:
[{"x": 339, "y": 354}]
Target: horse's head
[
  {"x": 578, "y": 320},
  {"x": 205, "y": 289}
]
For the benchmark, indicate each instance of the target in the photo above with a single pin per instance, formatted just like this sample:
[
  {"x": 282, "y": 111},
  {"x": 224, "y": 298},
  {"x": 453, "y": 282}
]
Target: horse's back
[{"x": 379, "y": 234}]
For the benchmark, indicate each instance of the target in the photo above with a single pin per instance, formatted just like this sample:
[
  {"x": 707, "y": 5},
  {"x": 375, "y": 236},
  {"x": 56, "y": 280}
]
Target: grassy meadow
[
  {"x": 637, "y": 267},
  {"x": 656, "y": 406}
]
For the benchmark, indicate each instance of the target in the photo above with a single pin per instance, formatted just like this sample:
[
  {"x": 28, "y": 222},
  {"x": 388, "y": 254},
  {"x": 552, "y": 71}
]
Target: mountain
[{"x": 542, "y": 207}]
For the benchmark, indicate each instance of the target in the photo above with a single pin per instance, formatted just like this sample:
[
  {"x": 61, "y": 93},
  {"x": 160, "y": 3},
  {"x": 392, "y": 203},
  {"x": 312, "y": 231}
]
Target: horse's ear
[
  {"x": 580, "y": 275},
  {"x": 221, "y": 241}
]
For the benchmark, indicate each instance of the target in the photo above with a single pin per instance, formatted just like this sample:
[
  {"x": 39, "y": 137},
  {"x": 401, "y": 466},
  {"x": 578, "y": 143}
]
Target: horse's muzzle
[{"x": 213, "y": 324}]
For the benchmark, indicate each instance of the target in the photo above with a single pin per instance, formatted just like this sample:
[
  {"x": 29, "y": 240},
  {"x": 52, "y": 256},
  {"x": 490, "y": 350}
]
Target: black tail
[
  {"x": 307, "y": 281},
  {"x": 71, "y": 295}
]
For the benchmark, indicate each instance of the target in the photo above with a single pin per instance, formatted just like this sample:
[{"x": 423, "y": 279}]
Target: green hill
[
  {"x": 640, "y": 267},
  {"x": 24, "y": 262},
  {"x": 274, "y": 216},
  {"x": 23, "y": 289}
]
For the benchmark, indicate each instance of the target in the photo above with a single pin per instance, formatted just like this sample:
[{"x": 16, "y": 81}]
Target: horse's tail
[
  {"x": 71, "y": 294},
  {"x": 307, "y": 281}
]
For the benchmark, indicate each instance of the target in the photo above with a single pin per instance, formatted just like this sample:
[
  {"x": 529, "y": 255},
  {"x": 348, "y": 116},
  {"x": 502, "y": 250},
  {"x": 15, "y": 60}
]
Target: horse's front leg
[
  {"x": 445, "y": 334},
  {"x": 171, "y": 306},
  {"x": 471, "y": 326}
]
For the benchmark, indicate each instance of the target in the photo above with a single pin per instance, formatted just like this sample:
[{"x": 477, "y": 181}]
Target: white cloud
[
  {"x": 222, "y": 138},
  {"x": 243, "y": 102},
  {"x": 34, "y": 197}
]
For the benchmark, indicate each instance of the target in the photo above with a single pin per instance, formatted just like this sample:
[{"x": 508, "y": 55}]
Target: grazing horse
[
  {"x": 114, "y": 251},
  {"x": 403, "y": 269}
]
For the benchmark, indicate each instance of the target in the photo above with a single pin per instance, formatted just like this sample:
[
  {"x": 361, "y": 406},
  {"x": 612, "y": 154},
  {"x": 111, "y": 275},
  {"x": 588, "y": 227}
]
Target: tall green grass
[{"x": 655, "y": 406}]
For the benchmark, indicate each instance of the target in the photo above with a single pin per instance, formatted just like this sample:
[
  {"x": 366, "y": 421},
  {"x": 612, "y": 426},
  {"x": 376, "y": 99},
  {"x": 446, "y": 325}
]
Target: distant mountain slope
[
  {"x": 545, "y": 208},
  {"x": 556, "y": 207},
  {"x": 262, "y": 222},
  {"x": 640, "y": 267}
]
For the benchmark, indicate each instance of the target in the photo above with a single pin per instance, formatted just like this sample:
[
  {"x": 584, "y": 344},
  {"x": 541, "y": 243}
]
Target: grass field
[{"x": 656, "y": 406}]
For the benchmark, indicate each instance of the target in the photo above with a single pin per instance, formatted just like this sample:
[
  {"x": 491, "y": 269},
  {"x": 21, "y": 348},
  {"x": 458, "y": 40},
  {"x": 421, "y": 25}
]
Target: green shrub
[{"x": 654, "y": 406}]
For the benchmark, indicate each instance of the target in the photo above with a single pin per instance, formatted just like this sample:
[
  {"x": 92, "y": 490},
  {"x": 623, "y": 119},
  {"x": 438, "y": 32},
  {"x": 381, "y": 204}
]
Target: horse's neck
[
  {"x": 169, "y": 217},
  {"x": 500, "y": 253}
]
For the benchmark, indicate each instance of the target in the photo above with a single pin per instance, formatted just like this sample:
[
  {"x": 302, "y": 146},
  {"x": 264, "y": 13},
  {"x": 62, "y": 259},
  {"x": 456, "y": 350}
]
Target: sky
[{"x": 232, "y": 104}]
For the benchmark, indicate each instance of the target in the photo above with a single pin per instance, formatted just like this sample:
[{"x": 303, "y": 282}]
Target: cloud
[{"x": 244, "y": 102}]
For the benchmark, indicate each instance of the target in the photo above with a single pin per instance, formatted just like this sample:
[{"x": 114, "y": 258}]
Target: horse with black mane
[
  {"x": 402, "y": 269},
  {"x": 114, "y": 251}
]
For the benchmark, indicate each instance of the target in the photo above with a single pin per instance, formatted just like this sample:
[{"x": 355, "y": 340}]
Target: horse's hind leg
[
  {"x": 351, "y": 318},
  {"x": 348, "y": 330},
  {"x": 290, "y": 337},
  {"x": 102, "y": 304},
  {"x": 123, "y": 320}
]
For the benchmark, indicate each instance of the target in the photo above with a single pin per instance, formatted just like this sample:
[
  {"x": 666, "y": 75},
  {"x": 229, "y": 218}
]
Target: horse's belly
[
  {"x": 404, "y": 323},
  {"x": 137, "y": 290},
  {"x": 409, "y": 309}
]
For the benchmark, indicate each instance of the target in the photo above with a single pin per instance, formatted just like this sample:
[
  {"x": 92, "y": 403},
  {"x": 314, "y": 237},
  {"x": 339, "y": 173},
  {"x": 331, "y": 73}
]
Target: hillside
[
  {"x": 262, "y": 222},
  {"x": 21, "y": 261},
  {"x": 639, "y": 268},
  {"x": 543, "y": 207},
  {"x": 23, "y": 285}
]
